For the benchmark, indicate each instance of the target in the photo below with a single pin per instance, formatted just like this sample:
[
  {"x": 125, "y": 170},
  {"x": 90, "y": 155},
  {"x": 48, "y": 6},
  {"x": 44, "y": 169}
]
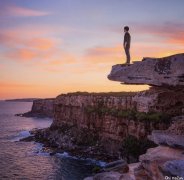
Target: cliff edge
[
  {"x": 166, "y": 161},
  {"x": 166, "y": 71},
  {"x": 41, "y": 108}
]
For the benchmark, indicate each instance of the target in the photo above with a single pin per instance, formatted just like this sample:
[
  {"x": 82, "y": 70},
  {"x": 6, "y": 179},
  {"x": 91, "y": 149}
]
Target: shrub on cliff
[
  {"x": 132, "y": 148},
  {"x": 154, "y": 117}
]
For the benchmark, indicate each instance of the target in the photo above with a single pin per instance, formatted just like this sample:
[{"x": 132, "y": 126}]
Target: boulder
[
  {"x": 165, "y": 138},
  {"x": 166, "y": 71},
  {"x": 119, "y": 165},
  {"x": 173, "y": 137},
  {"x": 173, "y": 168},
  {"x": 160, "y": 162},
  {"x": 105, "y": 176}
]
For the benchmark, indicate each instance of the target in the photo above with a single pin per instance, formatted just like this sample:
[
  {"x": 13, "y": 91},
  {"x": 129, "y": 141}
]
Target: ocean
[{"x": 26, "y": 160}]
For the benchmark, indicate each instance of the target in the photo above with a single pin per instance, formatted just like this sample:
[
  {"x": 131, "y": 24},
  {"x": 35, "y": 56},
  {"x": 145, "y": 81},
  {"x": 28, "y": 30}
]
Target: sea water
[{"x": 25, "y": 160}]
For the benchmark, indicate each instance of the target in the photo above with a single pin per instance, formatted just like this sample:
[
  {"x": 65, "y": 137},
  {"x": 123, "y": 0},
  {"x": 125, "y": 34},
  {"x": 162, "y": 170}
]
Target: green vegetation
[
  {"x": 96, "y": 169},
  {"x": 156, "y": 117},
  {"x": 100, "y": 94},
  {"x": 132, "y": 148}
]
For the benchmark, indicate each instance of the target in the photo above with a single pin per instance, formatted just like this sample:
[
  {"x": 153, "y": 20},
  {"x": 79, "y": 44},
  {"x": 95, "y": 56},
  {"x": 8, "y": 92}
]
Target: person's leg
[{"x": 127, "y": 51}]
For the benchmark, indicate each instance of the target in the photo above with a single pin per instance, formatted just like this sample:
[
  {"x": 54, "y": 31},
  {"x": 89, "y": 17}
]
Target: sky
[{"x": 59, "y": 46}]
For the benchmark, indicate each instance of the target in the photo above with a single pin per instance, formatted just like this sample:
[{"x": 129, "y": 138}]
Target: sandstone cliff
[
  {"x": 41, "y": 108},
  {"x": 166, "y": 71},
  {"x": 113, "y": 117},
  {"x": 98, "y": 123},
  {"x": 167, "y": 160}
]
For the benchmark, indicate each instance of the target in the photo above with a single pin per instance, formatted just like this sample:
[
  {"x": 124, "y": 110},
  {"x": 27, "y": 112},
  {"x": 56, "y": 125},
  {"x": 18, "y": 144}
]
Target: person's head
[{"x": 126, "y": 29}]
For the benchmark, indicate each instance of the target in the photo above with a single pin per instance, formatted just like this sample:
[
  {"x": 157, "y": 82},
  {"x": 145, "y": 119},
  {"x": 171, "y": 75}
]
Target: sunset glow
[{"x": 53, "y": 47}]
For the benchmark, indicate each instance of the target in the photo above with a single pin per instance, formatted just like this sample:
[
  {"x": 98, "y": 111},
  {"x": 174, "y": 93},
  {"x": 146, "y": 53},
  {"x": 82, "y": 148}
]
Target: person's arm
[
  {"x": 125, "y": 44},
  {"x": 125, "y": 40}
]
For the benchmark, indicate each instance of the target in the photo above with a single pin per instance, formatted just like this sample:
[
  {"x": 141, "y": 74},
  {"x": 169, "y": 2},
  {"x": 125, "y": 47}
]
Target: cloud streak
[
  {"x": 170, "y": 32},
  {"x": 167, "y": 32},
  {"x": 13, "y": 10},
  {"x": 115, "y": 54}
]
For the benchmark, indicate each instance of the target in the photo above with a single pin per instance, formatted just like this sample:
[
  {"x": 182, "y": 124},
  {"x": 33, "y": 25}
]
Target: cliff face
[
  {"x": 167, "y": 160},
  {"x": 161, "y": 99},
  {"x": 95, "y": 122},
  {"x": 112, "y": 117},
  {"x": 41, "y": 108}
]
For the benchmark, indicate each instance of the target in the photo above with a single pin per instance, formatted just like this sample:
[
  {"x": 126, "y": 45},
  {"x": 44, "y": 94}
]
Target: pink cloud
[
  {"x": 103, "y": 54},
  {"x": 22, "y": 54},
  {"x": 165, "y": 32},
  {"x": 14, "y": 85},
  {"x": 169, "y": 31},
  {"x": 115, "y": 54},
  {"x": 21, "y": 48},
  {"x": 13, "y": 10}
]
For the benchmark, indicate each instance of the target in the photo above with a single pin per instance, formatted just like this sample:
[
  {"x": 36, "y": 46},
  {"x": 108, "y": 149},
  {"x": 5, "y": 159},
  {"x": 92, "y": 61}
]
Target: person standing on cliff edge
[{"x": 126, "y": 44}]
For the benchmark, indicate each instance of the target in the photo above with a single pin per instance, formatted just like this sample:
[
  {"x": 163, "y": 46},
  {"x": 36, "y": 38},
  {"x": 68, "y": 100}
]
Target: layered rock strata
[
  {"x": 41, "y": 108},
  {"x": 97, "y": 123},
  {"x": 163, "y": 162},
  {"x": 102, "y": 120},
  {"x": 166, "y": 71},
  {"x": 166, "y": 161}
]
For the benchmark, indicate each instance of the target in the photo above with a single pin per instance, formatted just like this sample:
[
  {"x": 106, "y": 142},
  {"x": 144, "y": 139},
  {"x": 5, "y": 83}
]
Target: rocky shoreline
[
  {"x": 41, "y": 108},
  {"x": 110, "y": 126},
  {"x": 80, "y": 151},
  {"x": 166, "y": 161}
]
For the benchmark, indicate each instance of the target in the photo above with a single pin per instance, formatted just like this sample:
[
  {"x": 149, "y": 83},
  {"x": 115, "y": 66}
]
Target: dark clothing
[
  {"x": 127, "y": 39},
  {"x": 127, "y": 52}
]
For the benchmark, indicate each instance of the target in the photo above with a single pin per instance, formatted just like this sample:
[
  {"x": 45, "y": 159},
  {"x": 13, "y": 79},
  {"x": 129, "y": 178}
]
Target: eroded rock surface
[
  {"x": 166, "y": 160},
  {"x": 108, "y": 115},
  {"x": 166, "y": 71},
  {"x": 41, "y": 108}
]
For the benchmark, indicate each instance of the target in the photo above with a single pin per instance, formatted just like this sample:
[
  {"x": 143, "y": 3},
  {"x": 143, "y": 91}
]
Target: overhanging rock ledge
[{"x": 165, "y": 71}]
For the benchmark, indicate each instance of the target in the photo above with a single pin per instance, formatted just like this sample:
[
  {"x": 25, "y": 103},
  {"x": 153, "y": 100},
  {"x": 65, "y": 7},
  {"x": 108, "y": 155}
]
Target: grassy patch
[
  {"x": 155, "y": 117},
  {"x": 117, "y": 94},
  {"x": 133, "y": 147}
]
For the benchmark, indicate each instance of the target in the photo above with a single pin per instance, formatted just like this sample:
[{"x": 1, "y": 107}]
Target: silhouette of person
[{"x": 126, "y": 44}]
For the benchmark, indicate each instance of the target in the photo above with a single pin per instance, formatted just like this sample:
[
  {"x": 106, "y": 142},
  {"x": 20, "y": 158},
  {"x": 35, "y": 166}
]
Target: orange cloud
[
  {"x": 13, "y": 10},
  {"x": 21, "y": 54},
  {"x": 103, "y": 54},
  {"x": 176, "y": 39},
  {"x": 66, "y": 60},
  {"x": 14, "y": 89},
  {"x": 40, "y": 43},
  {"x": 167, "y": 32},
  {"x": 12, "y": 40},
  {"x": 21, "y": 48},
  {"x": 116, "y": 54},
  {"x": 100, "y": 51},
  {"x": 14, "y": 85}
]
